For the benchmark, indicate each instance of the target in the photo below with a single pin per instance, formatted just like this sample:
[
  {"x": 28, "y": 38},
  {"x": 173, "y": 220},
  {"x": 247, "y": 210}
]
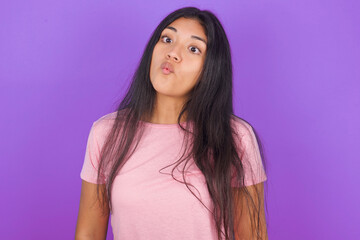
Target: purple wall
[{"x": 297, "y": 81}]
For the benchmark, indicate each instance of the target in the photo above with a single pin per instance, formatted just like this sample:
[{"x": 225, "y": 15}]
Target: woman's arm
[
  {"x": 91, "y": 222},
  {"x": 243, "y": 229}
]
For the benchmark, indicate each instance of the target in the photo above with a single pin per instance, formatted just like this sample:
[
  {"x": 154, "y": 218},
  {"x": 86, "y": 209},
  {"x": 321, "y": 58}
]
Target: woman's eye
[
  {"x": 196, "y": 49},
  {"x": 166, "y": 39}
]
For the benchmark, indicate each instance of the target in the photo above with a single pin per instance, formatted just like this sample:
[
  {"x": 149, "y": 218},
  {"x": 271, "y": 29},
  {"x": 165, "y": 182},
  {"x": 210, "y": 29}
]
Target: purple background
[{"x": 64, "y": 64}]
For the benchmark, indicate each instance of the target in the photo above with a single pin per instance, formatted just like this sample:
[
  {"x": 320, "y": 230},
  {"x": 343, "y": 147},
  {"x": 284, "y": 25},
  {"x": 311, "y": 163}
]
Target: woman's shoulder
[
  {"x": 241, "y": 126},
  {"x": 104, "y": 123},
  {"x": 107, "y": 121},
  {"x": 107, "y": 117}
]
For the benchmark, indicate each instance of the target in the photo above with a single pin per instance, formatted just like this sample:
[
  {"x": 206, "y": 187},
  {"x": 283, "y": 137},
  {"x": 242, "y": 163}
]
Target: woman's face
[{"x": 178, "y": 58}]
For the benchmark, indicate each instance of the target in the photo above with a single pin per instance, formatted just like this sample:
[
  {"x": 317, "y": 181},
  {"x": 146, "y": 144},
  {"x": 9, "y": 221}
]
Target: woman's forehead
[{"x": 190, "y": 27}]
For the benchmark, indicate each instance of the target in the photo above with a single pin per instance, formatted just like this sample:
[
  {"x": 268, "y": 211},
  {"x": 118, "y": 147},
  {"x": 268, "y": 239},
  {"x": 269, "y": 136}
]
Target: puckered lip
[{"x": 167, "y": 65}]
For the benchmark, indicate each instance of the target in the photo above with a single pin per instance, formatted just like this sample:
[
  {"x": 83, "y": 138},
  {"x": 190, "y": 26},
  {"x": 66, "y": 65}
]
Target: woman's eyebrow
[{"x": 193, "y": 36}]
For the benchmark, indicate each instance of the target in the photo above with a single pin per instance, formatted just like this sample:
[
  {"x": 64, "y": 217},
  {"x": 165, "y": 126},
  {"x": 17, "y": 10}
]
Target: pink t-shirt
[{"x": 150, "y": 205}]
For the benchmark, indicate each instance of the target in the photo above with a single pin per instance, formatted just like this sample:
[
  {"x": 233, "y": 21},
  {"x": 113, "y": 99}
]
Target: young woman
[{"x": 173, "y": 161}]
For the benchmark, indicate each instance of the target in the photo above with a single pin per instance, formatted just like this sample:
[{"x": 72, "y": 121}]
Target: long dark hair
[{"x": 209, "y": 107}]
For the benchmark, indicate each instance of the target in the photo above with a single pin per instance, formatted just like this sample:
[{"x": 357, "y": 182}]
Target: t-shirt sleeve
[
  {"x": 251, "y": 159},
  {"x": 89, "y": 169}
]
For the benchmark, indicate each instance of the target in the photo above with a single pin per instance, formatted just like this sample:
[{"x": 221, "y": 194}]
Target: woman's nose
[{"x": 174, "y": 54}]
